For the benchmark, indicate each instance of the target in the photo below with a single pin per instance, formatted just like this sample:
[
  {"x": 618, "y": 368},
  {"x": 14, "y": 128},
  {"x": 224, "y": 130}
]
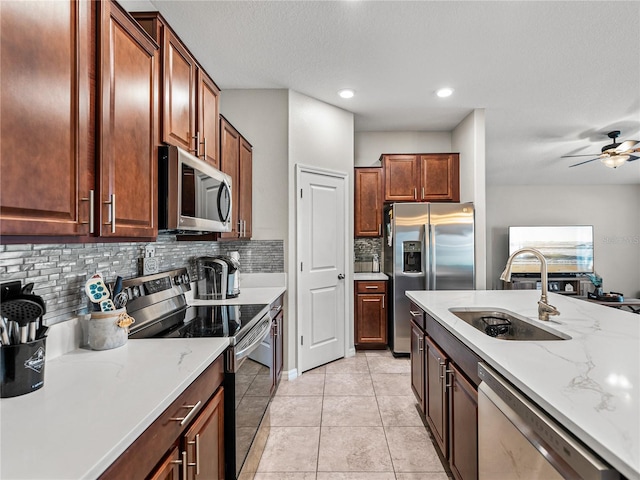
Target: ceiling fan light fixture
[{"x": 614, "y": 161}]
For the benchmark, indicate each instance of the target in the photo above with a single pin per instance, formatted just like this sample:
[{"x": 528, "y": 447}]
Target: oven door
[{"x": 249, "y": 379}]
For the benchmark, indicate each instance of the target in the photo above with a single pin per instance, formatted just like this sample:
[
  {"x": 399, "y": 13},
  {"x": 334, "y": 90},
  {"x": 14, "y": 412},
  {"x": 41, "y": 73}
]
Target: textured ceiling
[{"x": 553, "y": 77}]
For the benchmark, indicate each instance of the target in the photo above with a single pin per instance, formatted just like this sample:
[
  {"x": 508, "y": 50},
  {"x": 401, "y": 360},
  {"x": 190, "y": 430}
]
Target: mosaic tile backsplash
[
  {"x": 364, "y": 248},
  {"x": 59, "y": 271}
]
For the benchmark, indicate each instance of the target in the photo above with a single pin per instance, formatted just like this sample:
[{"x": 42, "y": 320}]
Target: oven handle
[{"x": 265, "y": 331}]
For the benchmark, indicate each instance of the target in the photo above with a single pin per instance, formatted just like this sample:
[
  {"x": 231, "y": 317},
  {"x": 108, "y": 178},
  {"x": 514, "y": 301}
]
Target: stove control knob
[
  {"x": 177, "y": 280},
  {"x": 185, "y": 278}
]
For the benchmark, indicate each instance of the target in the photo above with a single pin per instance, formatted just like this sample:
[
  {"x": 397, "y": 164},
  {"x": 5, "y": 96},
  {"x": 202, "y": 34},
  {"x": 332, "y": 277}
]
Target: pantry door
[{"x": 321, "y": 229}]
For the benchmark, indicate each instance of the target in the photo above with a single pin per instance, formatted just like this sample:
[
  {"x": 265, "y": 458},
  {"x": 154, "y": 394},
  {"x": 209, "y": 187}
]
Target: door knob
[{"x": 340, "y": 276}]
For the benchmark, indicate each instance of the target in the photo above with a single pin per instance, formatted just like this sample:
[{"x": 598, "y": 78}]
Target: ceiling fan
[{"x": 614, "y": 154}]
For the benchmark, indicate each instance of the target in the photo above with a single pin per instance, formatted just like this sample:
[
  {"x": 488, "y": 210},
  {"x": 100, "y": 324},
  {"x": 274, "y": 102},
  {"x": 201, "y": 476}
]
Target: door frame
[{"x": 349, "y": 349}]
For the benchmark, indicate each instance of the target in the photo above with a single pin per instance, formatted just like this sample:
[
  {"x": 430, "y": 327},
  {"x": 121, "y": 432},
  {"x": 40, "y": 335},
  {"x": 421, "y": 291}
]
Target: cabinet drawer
[
  {"x": 371, "y": 287},
  {"x": 416, "y": 315},
  {"x": 142, "y": 455}
]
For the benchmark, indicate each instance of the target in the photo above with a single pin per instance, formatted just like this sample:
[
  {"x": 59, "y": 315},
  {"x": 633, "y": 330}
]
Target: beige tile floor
[{"x": 352, "y": 419}]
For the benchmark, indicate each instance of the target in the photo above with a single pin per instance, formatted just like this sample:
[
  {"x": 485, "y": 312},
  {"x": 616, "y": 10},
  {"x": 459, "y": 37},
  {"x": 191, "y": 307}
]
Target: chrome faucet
[{"x": 544, "y": 307}]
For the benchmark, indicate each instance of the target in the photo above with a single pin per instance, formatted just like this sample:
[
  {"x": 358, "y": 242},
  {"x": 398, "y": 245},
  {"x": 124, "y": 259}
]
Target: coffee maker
[{"x": 217, "y": 278}]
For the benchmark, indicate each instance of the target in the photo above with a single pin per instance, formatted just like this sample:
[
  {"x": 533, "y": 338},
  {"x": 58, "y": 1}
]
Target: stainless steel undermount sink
[{"x": 506, "y": 325}]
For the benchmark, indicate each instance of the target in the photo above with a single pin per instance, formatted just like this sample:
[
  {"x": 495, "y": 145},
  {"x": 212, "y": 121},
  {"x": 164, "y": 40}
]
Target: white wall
[
  {"x": 468, "y": 138},
  {"x": 320, "y": 135},
  {"x": 370, "y": 145},
  {"x": 614, "y": 212},
  {"x": 262, "y": 117}
]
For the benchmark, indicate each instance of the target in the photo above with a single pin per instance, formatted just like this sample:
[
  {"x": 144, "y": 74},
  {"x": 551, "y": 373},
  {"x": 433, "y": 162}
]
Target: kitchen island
[{"x": 590, "y": 384}]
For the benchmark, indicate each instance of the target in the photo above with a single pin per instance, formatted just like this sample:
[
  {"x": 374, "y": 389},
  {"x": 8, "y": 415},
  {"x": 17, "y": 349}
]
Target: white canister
[{"x": 109, "y": 329}]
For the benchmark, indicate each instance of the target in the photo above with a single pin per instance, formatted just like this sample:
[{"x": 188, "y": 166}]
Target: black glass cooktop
[{"x": 205, "y": 321}]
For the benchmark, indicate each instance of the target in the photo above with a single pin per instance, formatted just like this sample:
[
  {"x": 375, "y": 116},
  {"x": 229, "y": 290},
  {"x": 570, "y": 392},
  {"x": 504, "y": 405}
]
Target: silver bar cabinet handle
[
  {"x": 415, "y": 314},
  {"x": 422, "y": 193},
  {"x": 186, "y": 418},
  {"x": 182, "y": 462},
  {"x": 91, "y": 200},
  {"x": 204, "y": 148},
  {"x": 196, "y": 463},
  {"x": 447, "y": 384},
  {"x": 112, "y": 209},
  {"x": 196, "y": 137},
  {"x": 415, "y": 193},
  {"x": 420, "y": 347}
]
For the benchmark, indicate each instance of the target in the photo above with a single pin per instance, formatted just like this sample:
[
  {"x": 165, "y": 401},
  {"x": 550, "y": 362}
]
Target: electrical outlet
[
  {"x": 149, "y": 251},
  {"x": 148, "y": 265}
]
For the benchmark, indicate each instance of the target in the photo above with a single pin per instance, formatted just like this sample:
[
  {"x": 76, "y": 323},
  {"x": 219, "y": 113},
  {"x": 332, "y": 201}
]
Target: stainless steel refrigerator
[{"x": 427, "y": 246}]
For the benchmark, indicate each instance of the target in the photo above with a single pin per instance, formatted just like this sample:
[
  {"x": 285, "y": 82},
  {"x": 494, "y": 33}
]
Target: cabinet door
[
  {"x": 245, "y": 187},
  {"x": 436, "y": 393},
  {"x": 440, "y": 177},
  {"x": 417, "y": 364},
  {"x": 45, "y": 128},
  {"x": 368, "y": 202},
  {"x": 229, "y": 164},
  {"x": 401, "y": 178},
  {"x": 371, "y": 319},
  {"x": 128, "y": 151},
  {"x": 179, "y": 103},
  {"x": 208, "y": 120},
  {"x": 169, "y": 468},
  {"x": 463, "y": 418},
  {"x": 204, "y": 441}
]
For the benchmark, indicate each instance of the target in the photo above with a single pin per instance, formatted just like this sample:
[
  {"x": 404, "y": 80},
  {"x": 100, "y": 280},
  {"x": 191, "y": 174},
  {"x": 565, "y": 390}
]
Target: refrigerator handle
[
  {"x": 432, "y": 255},
  {"x": 427, "y": 256}
]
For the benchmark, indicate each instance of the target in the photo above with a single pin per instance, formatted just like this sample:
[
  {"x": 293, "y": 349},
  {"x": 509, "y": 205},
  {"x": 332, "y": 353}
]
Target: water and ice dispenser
[{"x": 412, "y": 257}]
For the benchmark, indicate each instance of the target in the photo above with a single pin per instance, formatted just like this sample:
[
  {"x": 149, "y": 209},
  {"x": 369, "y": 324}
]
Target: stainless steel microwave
[{"x": 192, "y": 195}]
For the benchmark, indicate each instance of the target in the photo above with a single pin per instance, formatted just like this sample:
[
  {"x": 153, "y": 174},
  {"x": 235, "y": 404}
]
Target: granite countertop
[
  {"x": 590, "y": 384},
  {"x": 370, "y": 276},
  {"x": 94, "y": 404}
]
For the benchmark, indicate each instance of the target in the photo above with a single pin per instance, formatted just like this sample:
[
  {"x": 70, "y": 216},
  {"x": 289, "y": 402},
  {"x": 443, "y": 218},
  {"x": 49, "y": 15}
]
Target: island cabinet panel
[
  {"x": 368, "y": 201},
  {"x": 46, "y": 172},
  {"x": 370, "y": 314},
  {"x": 448, "y": 395},
  {"x": 435, "y": 368},
  {"x": 463, "y": 418},
  {"x": 428, "y": 177},
  {"x": 417, "y": 364},
  {"x": 128, "y": 129},
  {"x": 192, "y": 414}
]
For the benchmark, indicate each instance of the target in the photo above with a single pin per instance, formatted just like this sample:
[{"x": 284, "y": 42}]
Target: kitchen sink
[{"x": 506, "y": 325}]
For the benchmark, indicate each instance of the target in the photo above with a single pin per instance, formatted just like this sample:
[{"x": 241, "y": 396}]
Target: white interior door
[{"x": 321, "y": 270}]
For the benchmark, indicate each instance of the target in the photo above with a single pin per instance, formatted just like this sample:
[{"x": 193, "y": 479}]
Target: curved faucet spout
[{"x": 544, "y": 307}]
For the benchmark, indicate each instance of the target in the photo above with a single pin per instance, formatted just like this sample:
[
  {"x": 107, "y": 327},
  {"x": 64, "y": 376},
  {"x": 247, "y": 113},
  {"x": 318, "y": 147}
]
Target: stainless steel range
[{"x": 160, "y": 308}]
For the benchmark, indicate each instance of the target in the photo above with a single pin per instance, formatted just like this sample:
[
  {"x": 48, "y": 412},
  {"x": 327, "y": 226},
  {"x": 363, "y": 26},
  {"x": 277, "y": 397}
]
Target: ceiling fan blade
[
  {"x": 587, "y": 161},
  {"x": 627, "y": 145},
  {"x": 572, "y": 156},
  {"x": 632, "y": 158}
]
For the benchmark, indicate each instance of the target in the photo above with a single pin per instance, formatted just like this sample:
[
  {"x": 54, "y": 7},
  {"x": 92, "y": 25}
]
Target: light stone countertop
[
  {"x": 590, "y": 384},
  {"x": 370, "y": 276},
  {"x": 94, "y": 404}
]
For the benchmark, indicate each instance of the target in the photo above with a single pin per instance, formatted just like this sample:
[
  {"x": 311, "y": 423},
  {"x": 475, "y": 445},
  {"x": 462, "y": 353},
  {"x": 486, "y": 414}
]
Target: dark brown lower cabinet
[
  {"x": 443, "y": 379},
  {"x": 169, "y": 468},
  {"x": 436, "y": 393},
  {"x": 186, "y": 441},
  {"x": 463, "y": 414},
  {"x": 417, "y": 364},
  {"x": 204, "y": 441}
]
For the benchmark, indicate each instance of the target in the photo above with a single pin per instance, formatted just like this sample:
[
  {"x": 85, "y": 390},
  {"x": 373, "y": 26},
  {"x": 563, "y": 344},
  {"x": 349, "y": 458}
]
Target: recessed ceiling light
[
  {"x": 346, "y": 93},
  {"x": 444, "y": 92}
]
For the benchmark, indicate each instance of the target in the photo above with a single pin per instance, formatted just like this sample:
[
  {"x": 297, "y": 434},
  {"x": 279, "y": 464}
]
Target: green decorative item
[{"x": 597, "y": 282}]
